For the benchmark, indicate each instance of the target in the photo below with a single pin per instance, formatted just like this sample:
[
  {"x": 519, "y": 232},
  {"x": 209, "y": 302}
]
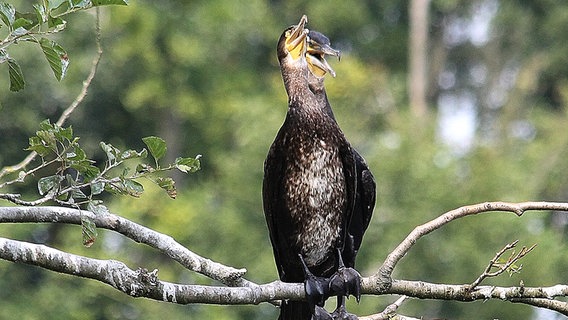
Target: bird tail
[{"x": 295, "y": 310}]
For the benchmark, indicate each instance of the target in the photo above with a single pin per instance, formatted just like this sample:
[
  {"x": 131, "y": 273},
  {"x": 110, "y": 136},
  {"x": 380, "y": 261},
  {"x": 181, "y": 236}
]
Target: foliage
[
  {"x": 47, "y": 19},
  {"x": 77, "y": 182}
]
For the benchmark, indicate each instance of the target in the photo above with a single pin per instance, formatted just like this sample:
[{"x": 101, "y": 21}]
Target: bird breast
[{"x": 316, "y": 196}]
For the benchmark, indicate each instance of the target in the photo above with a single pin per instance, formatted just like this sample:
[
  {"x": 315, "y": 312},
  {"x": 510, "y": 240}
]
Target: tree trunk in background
[{"x": 418, "y": 48}]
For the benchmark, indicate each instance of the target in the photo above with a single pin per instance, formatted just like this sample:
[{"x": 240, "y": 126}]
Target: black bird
[
  {"x": 309, "y": 190},
  {"x": 318, "y": 46}
]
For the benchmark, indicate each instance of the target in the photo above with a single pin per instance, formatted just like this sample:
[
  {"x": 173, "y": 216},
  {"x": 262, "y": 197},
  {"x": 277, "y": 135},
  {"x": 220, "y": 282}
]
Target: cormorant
[{"x": 310, "y": 189}]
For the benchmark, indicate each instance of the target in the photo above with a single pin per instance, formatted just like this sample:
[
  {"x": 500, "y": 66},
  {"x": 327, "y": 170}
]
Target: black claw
[
  {"x": 316, "y": 288},
  {"x": 346, "y": 281},
  {"x": 321, "y": 314}
]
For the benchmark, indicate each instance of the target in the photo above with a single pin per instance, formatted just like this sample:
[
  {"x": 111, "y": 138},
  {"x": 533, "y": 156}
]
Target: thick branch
[
  {"x": 140, "y": 283},
  {"x": 145, "y": 284},
  {"x": 166, "y": 244}
]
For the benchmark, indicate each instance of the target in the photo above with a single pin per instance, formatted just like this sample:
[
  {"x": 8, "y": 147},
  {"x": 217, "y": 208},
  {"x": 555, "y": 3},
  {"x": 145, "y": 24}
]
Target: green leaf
[
  {"x": 86, "y": 169},
  {"x": 31, "y": 19},
  {"x": 157, "y": 147},
  {"x": 41, "y": 12},
  {"x": 78, "y": 155},
  {"x": 23, "y": 23},
  {"x": 20, "y": 31},
  {"x": 57, "y": 24},
  {"x": 88, "y": 229},
  {"x": 97, "y": 207},
  {"x": 111, "y": 152},
  {"x": 54, "y": 4},
  {"x": 78, "y": 194},
  {"x": 46, "y": 184},
  {"x": 46, "y": 125},
  {"x": 37, "y": 146},
  {"x": 168, "y": 184},
  {"x": 7, "y": 14},
  {"x": 97, "y": 188},
  {"x": 81, "y": 4},
  {"x": 64, "y": 133},
  {"x": 132, "y": 187},
  {"x": 17, "y": 82},
  {"x": 109, "y": 2},
  {"x": 187, "y": 165},
  {"x": 47, "y": 139},
  {"x": 131, "y": 154},
  {"x": 56, "y": 57}
]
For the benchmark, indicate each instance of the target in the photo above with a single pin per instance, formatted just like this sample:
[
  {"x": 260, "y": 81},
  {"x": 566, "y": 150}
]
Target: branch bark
[
  {"x": 164, "y": 243},
  {"x": 141, "y": 283}
]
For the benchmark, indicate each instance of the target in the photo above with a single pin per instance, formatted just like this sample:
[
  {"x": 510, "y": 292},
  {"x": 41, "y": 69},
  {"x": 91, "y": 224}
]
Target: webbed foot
[
  {"x": 345, "y": 281},
  {"x": 316, "y": 288}
]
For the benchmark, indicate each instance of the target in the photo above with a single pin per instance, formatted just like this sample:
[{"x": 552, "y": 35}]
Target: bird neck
[
  {"x": 317, "y": 86},
  {"x": 297, "y": 88}
]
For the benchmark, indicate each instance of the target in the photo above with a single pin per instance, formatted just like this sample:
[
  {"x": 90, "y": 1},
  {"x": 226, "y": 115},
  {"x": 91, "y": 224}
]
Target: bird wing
[
  {"x": 273, "y": 167},
  {"x": 362, "y": 211},
  {"x": 350, "y": 172}
]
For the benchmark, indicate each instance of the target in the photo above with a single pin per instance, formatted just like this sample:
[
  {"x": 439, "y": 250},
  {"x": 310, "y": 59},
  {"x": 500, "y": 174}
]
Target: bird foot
[
  {"x": 316, "y": 288},
  {"x": 321, "y": 314},
  {"x": 345, "y": 281},
  {"x": 341, "y": 314}
]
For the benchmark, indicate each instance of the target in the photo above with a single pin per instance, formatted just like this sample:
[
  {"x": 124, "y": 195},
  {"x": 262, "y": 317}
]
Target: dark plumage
[{"x": 310, "y": 188}]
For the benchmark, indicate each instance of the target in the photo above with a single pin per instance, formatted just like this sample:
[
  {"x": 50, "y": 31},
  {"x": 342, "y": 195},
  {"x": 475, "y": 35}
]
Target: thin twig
[
  {"x": 94, "y": 65},
  {"x": 16, "y": 199},
  {"x": 502, "y": 267}
]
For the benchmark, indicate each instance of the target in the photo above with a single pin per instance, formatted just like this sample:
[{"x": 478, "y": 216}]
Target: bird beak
[
  {"x": 316, "y": 58},
  {"x": 296, "y": 39}
]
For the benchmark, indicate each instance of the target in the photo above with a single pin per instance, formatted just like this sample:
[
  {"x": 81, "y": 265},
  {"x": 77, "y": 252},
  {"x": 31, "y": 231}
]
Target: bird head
[
  {"x": 318, "y": 46},
  {"x": 292, "y": 42}
]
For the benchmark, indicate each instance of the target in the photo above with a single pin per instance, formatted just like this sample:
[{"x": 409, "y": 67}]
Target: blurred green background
[{"x": 204, "y": 76}]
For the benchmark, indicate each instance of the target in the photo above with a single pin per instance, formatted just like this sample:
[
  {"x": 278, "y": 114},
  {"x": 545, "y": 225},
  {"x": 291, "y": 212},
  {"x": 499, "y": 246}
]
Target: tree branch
[
  {"x": 166, "y": 244},
  {"x": 142, "y": 283},
  {"x": 383, "y": 275}
]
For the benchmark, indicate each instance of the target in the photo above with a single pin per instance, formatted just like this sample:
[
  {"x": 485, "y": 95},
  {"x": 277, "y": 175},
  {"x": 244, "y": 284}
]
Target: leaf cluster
[
  {"x": 78, "y": 182},
  {"x": 34, "y": 27}
]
